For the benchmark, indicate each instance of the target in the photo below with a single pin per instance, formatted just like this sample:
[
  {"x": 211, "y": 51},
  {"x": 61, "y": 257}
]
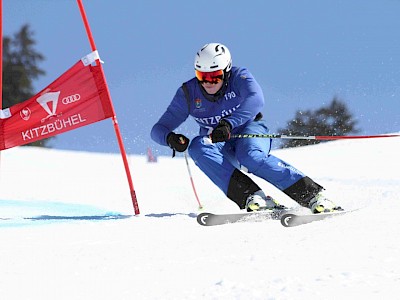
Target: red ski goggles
[{"x": 211, "y": 77}]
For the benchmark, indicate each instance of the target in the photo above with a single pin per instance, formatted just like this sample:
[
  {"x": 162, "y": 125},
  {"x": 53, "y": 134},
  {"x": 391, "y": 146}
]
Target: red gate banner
[{"x": 77, "y": 98}]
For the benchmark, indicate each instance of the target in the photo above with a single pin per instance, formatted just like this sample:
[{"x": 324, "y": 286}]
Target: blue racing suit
[{"x": 240, "y": 106}]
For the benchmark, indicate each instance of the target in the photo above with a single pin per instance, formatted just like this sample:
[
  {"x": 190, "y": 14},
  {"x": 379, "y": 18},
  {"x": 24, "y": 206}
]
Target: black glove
[
  {"x": 222, "y": 132},
  {"x": 177, "y": 142}
]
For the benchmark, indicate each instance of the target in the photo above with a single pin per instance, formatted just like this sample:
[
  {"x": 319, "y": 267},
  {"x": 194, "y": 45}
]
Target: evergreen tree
[
  {"x": 334, "y": 119},
  {"x": 20, "y": 68}
]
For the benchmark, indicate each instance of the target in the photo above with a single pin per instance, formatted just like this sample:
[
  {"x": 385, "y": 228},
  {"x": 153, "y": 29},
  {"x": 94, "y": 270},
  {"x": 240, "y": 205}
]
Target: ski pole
[
  {"x": 191, "y": 180},
  {"x": 312, "y": 137}
]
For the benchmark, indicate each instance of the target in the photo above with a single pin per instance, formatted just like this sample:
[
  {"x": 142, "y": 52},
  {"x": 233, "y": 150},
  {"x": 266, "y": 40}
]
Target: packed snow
[{"x": 66, "y": 233}]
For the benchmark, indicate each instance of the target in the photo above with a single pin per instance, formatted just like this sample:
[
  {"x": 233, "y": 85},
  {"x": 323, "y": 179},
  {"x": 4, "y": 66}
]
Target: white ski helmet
[{"x": 213, "y": 57}]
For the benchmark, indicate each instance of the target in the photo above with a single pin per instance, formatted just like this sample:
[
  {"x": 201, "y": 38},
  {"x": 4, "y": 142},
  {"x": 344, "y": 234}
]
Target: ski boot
[
  {"x": 259, "y": 201},
  {"x": 321, "y": 204}
]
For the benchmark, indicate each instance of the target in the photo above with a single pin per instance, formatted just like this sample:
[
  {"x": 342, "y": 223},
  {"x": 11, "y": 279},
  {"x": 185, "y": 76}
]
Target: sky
[
  {"x": 56, "y": 246},
  {"x": 303, "y": 54}
]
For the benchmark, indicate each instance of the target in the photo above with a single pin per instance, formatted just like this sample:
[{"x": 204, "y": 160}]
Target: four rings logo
[{"x": 71, "y": 99}]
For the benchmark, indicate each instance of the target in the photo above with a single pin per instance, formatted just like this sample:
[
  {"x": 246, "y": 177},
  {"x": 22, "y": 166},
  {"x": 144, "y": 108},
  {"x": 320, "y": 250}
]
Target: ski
[
  {"x": 209, "y": 219},
  {"x": 294, "y": 219}
]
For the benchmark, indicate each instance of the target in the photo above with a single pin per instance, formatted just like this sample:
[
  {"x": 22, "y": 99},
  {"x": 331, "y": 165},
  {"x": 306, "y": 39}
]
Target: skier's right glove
[{"x": 177, "y": 142}]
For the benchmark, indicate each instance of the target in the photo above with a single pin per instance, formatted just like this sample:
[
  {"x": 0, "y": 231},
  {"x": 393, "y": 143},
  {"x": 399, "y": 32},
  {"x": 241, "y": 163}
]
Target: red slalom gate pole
[{"x": 114, "y": 118}]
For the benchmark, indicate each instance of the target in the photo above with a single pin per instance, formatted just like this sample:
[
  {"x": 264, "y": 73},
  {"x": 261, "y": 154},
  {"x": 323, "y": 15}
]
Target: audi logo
[{"x": 71, "y": 99}]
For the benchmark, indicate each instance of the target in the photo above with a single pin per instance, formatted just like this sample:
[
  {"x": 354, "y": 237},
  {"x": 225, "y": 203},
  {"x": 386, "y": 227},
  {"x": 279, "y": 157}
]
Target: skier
[{"x": 226, "y": 100}]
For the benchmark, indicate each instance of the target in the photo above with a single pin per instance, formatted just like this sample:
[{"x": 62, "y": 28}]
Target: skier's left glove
[{"x": 222, "y": 132}]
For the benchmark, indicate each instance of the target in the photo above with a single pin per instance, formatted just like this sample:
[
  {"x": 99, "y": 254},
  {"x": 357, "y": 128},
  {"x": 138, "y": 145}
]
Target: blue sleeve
[
  {"x": 253, "y": 98},
  {"x": 176, "y": 113}
]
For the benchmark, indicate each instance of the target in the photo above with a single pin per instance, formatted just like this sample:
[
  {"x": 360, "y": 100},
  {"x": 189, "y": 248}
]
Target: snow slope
[{"x": 165, "y": 254}]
